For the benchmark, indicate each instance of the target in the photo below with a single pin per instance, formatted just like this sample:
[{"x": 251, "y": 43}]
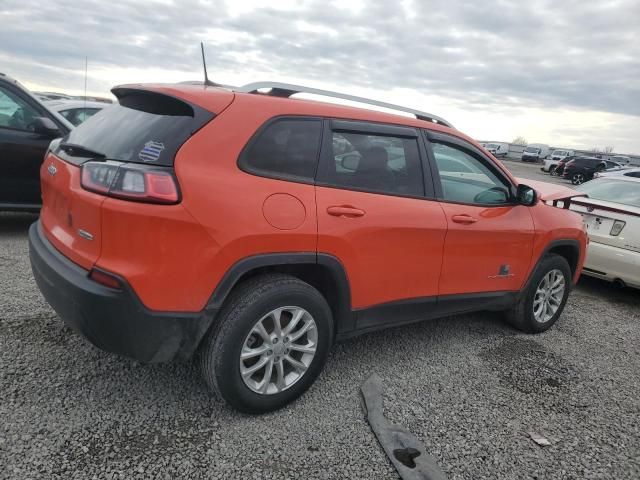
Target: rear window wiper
[{"x": 79, "y": 151}]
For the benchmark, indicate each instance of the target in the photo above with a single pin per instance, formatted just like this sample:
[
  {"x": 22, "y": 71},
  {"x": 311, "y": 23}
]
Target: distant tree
[
  {"x": 595, "y": 150},
  {"x": 609, "y": 149},
  {"x": 519, "y": 141}
]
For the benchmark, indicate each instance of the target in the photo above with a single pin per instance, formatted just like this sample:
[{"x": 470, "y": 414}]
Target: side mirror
[
  {"x": 526, "y": 195},
  {"x": 45, "y": 126},
  {"x": 350, "y": 162}
]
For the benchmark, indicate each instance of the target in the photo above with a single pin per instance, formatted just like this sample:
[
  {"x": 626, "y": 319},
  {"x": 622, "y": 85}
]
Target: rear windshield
[{"x": 144, "y": 127}]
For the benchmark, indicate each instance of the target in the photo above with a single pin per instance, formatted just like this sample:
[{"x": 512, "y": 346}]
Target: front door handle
[
  {"x": 345, "y": 211},
  {"x": 464, "y": 219}
]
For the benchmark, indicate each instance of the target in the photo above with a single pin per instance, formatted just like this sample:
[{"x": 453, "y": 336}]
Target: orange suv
[{"x": 251, "y": 230}]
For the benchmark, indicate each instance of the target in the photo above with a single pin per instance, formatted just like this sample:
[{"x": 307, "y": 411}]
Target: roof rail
[{"x": 286, "y": 90}]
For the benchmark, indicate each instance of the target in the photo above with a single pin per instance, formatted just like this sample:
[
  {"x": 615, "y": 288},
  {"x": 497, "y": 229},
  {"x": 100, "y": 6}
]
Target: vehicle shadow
[
  {"x": 16, "y": 222},
  {"x": 605, "y": 290}
]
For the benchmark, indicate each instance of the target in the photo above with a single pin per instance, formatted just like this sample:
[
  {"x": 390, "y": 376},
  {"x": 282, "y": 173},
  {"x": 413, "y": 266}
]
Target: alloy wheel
[
  {"x": 577, "y": 179},
  {"x": 548, "y": 296},
  {"x": 278, "y": 350}
]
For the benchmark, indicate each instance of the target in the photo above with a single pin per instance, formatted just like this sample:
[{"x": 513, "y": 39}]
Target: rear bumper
[
  {"x": 612, "y": 263},
  {"x": 113, "y": 320}
]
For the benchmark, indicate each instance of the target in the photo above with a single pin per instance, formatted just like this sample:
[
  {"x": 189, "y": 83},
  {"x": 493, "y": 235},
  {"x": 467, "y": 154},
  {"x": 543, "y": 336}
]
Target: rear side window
[
  {"x": 286, "y": 147},
  {"x": 144, "y": 127},
  {"x": 375, "y": 163}
]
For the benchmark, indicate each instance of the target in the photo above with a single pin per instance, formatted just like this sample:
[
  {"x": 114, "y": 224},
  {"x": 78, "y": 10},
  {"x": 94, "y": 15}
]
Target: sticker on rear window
[{"x": 151, "y": 151}]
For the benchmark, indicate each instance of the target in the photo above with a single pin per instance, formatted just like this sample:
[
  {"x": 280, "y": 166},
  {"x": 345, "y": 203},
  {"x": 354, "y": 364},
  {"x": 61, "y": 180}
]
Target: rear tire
[
  {"x": 246, "y": 326},
  {"x": 578, "y": 179},
  {"x": 553, "y": 171},
  {"x": 527, "y": 314}
]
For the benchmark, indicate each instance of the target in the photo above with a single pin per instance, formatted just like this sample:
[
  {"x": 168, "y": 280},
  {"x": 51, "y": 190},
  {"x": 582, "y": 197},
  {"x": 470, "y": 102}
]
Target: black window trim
[
  {"x": 438, "y": 137},
  {"x": 243, "y": 163},
  {"x": 378, "y": 129}
]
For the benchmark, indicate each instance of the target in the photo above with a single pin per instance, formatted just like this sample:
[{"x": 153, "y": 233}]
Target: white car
[
  {"x": 549, "y": 164},
  {"x": 627, "y": 172},
  {"x": 76, "y": 111},
  {"x": 497, "y": 149},
  {"x": 611, "y": 212}
]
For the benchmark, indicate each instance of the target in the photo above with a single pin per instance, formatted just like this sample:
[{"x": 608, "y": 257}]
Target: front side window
[
  {"x": 285, "y": 148},
  {"x": 15, "y": 113},
  {"x": 466, "y": 179},
  {"x": 376, "y": 163}
]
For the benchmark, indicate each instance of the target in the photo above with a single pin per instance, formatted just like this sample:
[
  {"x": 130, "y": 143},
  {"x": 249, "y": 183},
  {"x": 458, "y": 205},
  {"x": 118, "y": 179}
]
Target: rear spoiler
[{"x": 591, "y": 207}]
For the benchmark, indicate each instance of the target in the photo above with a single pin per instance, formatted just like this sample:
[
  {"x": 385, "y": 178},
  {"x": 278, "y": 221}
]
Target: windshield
[
  {"x": 560, "y": 153},
  {"x": 493, "y": 145},
  {"x": 532, "y": 150},
  {"x": 611, "y": 190}
]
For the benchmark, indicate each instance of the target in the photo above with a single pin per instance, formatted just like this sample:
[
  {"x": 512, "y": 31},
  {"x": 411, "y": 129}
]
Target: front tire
[
  {"x": 553, "y": 171},
  {"x": 269, "y": 343},
  {"x": 544, "y": 298}
]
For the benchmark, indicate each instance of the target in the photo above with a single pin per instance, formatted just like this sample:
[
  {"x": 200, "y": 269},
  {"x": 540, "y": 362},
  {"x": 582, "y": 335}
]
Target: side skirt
[{"x": 404, "y": 312}]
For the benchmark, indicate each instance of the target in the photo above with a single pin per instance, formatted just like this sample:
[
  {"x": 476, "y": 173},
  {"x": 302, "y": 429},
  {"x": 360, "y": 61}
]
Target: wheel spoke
[
  {"x": 253, "y": 352},
  {"x": 295, "y": 319},
  {"x": 309, "y": 348},
  {"x": 277, "y": 318},
  {"x": 260, "y": 330},
  {"x": 248, "y": 371},
  {"x": 299, "y": 366},
  {"x": 554, "y": 300},
  {"x": 266, "y": 379},
  {"x": 299, "y": 333},
  {"x": 280, "y": 385}
]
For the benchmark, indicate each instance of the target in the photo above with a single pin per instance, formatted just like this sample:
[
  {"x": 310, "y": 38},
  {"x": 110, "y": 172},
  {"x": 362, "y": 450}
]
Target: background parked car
[
  {"x": 27, "y": 127},
  {"x": 76, "y": 111},
  {"x": 560, "y": 154},
  {"x": 627, "y": 172},
  {"x": 558, "y": 169},
  {"x": 582, "y": 169},
  {"x": 612, "y": 216},
  {"x": 535, "y": 152},
  {"x": 498, "y": 149},
  {"x": 621, "y": 159}
]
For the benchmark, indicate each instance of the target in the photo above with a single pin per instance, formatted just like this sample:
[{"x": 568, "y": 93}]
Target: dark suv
[
  {"x": 26, "y": 130},
  {"x": 582, "y": 169}
]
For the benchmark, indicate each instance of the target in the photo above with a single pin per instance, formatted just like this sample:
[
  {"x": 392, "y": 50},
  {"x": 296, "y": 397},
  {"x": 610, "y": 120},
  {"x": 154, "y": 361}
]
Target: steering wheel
[{"x": 492, "y": 195}]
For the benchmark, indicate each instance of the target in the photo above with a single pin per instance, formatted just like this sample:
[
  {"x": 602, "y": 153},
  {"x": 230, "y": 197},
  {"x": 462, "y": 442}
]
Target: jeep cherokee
[{"x": 251, "y": 230}]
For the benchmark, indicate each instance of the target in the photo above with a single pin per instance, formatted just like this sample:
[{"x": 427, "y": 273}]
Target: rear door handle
[
  {"x": 464, "y": 219},
  {"x": 345, "y": 211}
]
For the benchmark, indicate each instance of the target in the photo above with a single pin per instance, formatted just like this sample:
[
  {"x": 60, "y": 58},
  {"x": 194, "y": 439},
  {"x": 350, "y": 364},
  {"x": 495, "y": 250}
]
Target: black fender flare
[{"x": 340, "y": 305}]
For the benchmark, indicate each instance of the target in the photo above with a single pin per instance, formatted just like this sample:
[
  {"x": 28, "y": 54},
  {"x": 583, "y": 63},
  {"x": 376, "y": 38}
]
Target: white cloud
[{"x": 562, "y": 73}]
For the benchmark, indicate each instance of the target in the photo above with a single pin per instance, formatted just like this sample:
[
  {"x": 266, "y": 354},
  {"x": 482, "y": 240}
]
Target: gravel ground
[{"x": 469, "y": 387}]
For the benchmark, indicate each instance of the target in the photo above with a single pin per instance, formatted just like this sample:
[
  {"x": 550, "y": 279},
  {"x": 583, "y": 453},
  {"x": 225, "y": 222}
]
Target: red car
[{"x": 253, "y": 230}]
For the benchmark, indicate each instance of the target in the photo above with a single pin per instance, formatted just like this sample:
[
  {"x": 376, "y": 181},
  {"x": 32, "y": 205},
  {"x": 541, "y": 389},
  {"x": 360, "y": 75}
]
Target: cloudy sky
[{"x": 564, "y": 72}]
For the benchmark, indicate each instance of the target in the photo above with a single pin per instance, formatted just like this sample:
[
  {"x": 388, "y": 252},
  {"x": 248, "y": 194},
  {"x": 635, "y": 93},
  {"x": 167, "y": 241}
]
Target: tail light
[
  {"x": 569, "y": 163},
  {"x": 131, "y": 181},
  {"x": 617, "y": 227}
]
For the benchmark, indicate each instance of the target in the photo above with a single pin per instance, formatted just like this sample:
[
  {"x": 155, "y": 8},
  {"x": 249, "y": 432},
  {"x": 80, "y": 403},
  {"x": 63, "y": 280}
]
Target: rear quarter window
[{"x": 284, "y": 148}]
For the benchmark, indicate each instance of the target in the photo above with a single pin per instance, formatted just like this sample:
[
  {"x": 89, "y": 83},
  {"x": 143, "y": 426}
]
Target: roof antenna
[{"x": 204, "y": 65}]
